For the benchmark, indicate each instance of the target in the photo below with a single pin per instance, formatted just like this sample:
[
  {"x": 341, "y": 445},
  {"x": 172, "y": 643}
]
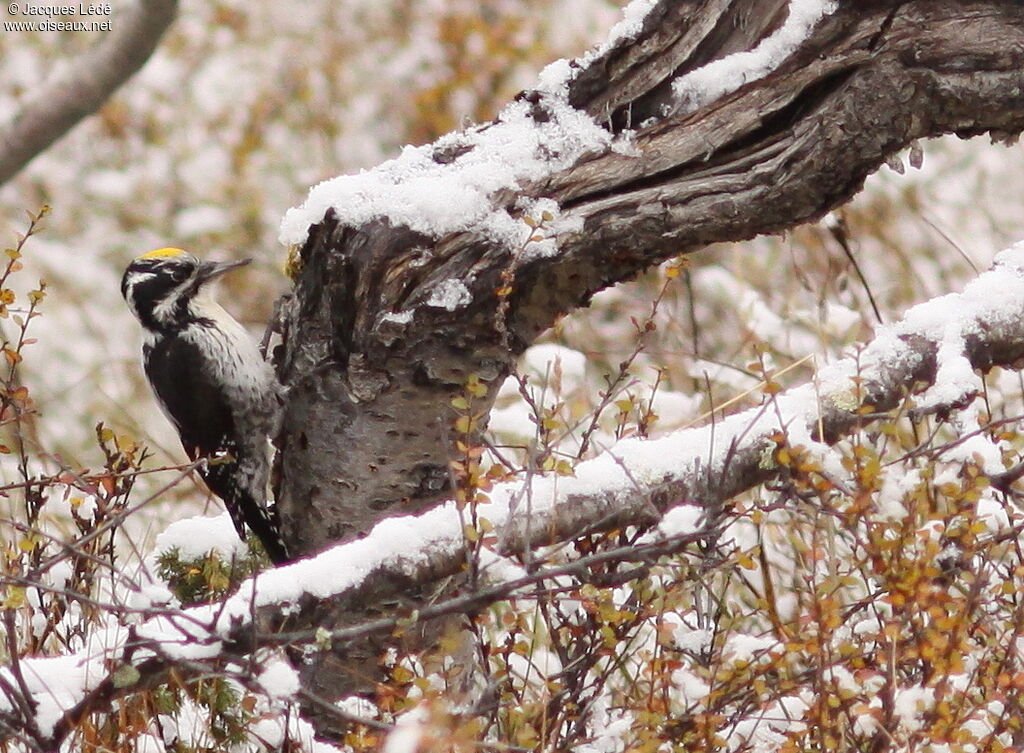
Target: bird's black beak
[{"x": 210, "y": 270}]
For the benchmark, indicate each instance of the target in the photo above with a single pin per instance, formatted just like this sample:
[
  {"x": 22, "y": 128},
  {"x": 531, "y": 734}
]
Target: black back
[{"x": 195, "y": 403}]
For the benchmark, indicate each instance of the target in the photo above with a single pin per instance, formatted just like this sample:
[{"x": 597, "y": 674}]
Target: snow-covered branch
[
  {"x": 669, "y": 484},
  {"x": 442, "y": 264},
  {"x": 934, "y": 352},
  {"x": 428, "y": 275},
  {"x": 83, "y": 84}
]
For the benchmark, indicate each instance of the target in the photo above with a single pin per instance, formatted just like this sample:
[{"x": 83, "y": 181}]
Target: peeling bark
[{"x": 368, "y": 423}]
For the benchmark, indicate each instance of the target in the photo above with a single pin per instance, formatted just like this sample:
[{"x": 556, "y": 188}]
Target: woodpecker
[{"x": 211, "y": 381}]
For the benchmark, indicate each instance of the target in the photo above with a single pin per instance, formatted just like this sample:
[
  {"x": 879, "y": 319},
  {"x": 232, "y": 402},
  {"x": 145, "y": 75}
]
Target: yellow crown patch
[{"x": 164, "y": 253}]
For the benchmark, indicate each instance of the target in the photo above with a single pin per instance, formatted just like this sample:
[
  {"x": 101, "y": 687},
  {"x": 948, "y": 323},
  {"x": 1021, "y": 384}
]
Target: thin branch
[
  {"x": 582, "y": 568},
  {"x": 902, "y": 358}
]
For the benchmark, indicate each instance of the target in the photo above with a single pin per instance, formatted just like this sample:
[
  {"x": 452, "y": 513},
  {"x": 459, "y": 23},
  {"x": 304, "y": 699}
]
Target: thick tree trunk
[{"x": 373, "y": 359}]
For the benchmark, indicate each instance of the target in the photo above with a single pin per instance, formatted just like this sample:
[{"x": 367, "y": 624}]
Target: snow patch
[
  {"x": 450, "y": 294},
  {"x": 911, "y": 705},
  {"x": 57, "y": 683},
  {"x": 448, "y": 186},
  {"x": 697, "y": 88},
  {"x": 682, "y": 521},
  {"x": 397, "y": 317},
  {"x": 196, "y": 537},
  {"x": 279, "y": 680},
  {"x": 896, "y": 485}
]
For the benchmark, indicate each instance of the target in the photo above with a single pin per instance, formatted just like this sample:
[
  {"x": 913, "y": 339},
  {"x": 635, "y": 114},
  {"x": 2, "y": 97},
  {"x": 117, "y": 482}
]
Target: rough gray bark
[
  {"x": 56, "y": 106},
  {"x": 367, "y": 427}
]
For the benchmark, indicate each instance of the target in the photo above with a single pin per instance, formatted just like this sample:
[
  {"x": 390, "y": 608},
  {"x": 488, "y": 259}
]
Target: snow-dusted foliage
[
  {"x": 868, "y": 597},
  {"x": 884, "y": 546}
]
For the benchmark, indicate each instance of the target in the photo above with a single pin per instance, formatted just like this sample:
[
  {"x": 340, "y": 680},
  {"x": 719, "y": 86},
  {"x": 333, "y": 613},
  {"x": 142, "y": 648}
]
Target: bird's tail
[
  {"x": 262, "y": 520},
  {"x": 247, "y": 510}
]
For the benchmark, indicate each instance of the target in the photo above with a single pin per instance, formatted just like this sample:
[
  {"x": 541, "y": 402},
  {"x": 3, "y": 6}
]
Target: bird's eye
[{"x": 178, "y": 274}]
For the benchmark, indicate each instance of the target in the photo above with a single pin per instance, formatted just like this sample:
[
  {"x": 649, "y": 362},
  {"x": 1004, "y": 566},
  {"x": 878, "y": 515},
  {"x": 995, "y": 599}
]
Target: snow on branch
[
  {"x": 670, "y": 483},
  {"x": 451, "y": 186},
  {"x": 697, "y": 88},
  {"x": 637, "y": 154}
]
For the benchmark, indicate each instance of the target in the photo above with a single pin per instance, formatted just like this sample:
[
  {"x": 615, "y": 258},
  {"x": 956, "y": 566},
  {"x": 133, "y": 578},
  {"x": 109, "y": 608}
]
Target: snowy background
[
  {"x": 246, "y": 105},
  {"x": 243, "y": 107}
]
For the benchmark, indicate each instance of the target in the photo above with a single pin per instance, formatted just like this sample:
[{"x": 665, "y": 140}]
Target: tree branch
[
  {"x": 85, "y": 84},
  {"x": 435, "y": 270},
  {"x": 373, "y": 355},
  {"x": 634, "y": 484}
]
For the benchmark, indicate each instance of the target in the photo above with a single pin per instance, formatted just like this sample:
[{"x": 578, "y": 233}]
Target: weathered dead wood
[{"x": 367, "y": 431}]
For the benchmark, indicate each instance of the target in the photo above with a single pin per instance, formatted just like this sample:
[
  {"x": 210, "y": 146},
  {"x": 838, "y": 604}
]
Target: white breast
[{"x": 234, "y": 358}]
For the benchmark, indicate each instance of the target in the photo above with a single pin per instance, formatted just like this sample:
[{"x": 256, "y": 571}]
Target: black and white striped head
[{"x": 163, "y": 288}]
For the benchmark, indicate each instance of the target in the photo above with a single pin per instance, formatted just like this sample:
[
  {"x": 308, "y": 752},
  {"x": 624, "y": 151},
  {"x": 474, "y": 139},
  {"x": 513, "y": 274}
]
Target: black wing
[
  {"x": 202, "y": 414},
  {"x": 197, "y": 406}
]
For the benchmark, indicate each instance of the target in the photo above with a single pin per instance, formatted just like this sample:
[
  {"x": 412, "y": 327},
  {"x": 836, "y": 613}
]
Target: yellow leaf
[
  {"x": 401, "y": 675},
  {"x": 746, "y": 562},
  {"x": 15, "y": 597}
]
